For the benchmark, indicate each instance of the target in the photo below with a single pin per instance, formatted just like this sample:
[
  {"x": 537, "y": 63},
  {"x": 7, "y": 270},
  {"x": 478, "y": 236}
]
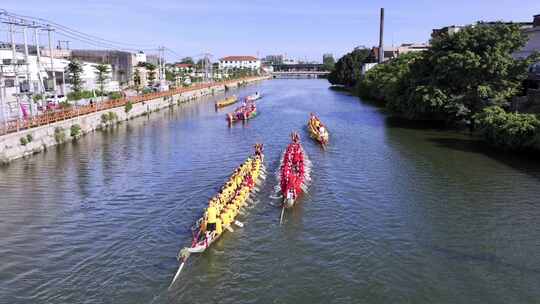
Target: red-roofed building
[
  {"x": 184, "y": 65},
  {"x": 239, "y": 62}
]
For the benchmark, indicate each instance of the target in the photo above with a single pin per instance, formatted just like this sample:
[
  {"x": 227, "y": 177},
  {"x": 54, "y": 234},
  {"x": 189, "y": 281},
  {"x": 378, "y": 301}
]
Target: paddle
[
  {"x": 177, "y": 273},
  {"x": 281, "y": 217},
  {"x": 185, "y": 256}
]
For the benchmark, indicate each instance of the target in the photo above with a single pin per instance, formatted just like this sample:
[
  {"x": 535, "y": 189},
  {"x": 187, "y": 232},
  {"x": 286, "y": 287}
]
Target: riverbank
[
  {"x": 77, "y": 123},
  {"x": 454, "y": 82}
]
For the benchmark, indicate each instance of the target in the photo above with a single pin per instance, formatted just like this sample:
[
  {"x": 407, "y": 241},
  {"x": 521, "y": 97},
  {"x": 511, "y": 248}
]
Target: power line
[
  {"x": 72, "y": 31},
  {"x": 75, "y": 35}
]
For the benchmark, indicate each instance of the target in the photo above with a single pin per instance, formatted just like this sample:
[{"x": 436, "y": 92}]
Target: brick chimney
[{"x": 536, "y": 21}]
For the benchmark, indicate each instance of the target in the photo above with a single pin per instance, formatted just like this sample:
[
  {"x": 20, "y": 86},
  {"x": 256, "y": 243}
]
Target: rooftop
[{"x": 239, "y": 58}]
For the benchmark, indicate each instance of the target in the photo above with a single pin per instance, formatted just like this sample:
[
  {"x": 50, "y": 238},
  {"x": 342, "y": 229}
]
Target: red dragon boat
[
  {"x": 293, "y": 172},
  {"x": 243, "y": 113}
]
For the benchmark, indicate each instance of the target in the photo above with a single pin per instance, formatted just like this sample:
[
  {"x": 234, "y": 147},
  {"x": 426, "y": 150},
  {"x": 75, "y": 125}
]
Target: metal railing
[{"x": 49, "y": 117}]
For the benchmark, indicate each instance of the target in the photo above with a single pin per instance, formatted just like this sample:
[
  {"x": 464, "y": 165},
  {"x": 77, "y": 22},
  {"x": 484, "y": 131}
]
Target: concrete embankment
[{"x": 35, "y": 140}]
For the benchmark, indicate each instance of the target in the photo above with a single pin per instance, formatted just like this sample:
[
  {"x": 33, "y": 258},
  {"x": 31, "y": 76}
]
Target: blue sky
[{"x": 299, "y": 28}]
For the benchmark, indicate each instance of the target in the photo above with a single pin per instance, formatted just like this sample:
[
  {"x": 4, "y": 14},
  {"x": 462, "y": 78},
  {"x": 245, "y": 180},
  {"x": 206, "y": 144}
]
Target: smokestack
[{"x": 381, "y": 36}]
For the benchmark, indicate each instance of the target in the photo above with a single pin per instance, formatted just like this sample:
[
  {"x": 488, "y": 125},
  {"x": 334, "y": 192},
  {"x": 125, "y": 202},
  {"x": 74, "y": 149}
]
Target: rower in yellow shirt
[
  {"x": 219, "y": 226},
  {"x": 225, "y": 218},
  {"x": 240, "y": 201},
  {"x": 238, "y": 181},
  {"x": 211, "y": 217}
]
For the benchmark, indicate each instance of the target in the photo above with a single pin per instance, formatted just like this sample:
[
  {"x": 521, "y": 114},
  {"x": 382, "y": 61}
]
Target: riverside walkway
[{"x": 49, "y": 117}]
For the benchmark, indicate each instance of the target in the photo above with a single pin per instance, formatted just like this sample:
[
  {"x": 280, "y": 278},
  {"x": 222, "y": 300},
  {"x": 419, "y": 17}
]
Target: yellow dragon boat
[
  {"x": 226, "y": 102},
  {"x": 224, "y": 207},
  {"x": 317, "y": 130}
]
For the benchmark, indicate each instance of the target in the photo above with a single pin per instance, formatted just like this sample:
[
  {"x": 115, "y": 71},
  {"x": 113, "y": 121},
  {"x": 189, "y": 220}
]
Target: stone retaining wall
[{"x": 40, "y": 138}]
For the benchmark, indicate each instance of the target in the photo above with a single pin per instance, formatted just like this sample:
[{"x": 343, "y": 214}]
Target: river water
[{"x": 395, "y": 213}]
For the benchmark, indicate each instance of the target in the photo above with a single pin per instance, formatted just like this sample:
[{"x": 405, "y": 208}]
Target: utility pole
[
  {"x": 65, "y": 42},
  {"x": 49, "y": 30},
  {"x": 207, "y": 67},
  {"x": 3, "y": 97},
  {"x": 162, "y": 63},
  {"x": 381, "y": 36},
  {"x": 160, "y": 71},
  {"x": 29, "y": 87},
  {"x": 14, "y": 64},
  {"x": 41, "y": 87}
]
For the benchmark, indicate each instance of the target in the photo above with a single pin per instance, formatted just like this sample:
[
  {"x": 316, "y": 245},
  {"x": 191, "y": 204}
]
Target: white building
[
  {"x": 239, "y": 62},
  {"x": 33, "y": 77},
  {"x": 367, "y": 66},
  {"x": 533, "y": 44},
  {"x": 139, "y": 57},
  {"x": 411, "y": 47},
  {"x": 290, "y": 61}
]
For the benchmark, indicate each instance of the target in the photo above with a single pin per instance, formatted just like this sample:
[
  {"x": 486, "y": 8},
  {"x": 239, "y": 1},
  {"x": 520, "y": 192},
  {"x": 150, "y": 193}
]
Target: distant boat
[
  {"x": 253, "y": 97},
  {"x": 245, "y": 112},
  {"x": 317, "y": 130},
  {"x": 226, "y": 102}
]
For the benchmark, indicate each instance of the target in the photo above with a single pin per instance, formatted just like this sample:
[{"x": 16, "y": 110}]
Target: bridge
[{"x": 302, "y": 70}]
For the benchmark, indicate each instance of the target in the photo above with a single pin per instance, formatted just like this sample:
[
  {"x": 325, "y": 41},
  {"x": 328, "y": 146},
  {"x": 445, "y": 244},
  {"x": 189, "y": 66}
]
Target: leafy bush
[
  {"x": 509, "y": 131},
  {"x": 128, "y": 106},
  {"x": 59, "y": 135},
  {"x": 112, "y": 116},
  {"x": 75, "y": 131},
  {"x": 65, "y": 105},
  {"x": 80, "y": 95},
  {"x": 24, "y": 141},
  {"x": 104, "y": 118},
  {"x": 115, "y": 95},
  {"x": 37, "y": 97},
  {"x": 29, "y": 138},
  {"x": 108, "y": 117}
]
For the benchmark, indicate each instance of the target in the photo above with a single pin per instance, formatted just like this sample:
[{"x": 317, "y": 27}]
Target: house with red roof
[{"x": 184, "y": 67}]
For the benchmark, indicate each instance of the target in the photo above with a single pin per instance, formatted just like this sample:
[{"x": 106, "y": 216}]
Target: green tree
[
  {"x": 102, "y": 76},
  {"x": 151, "y": 72},
  {"x": 463, "y": 73},
  {"x": 347, "y": 69},
  {"x": 137, "y": 80},
  {"x": 170, "y": 75},
  {"x": 200, "y": 64},
  {"x": 187, "y": 60},
  {"x": 73, "y": 71},
  {"x": 384, "y": 82},
  {"x": 328, "y": 62}
]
